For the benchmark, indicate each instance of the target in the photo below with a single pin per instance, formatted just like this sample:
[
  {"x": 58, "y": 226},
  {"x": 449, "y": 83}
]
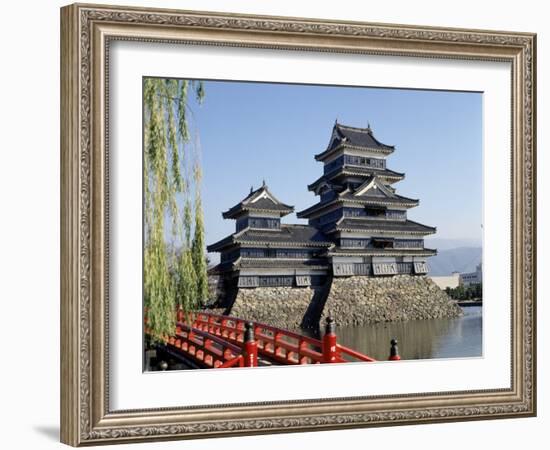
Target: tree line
[{"x": 471, "y": 292}]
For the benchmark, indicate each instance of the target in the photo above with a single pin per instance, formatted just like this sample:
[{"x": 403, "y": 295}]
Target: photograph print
[{"x": 292, "y": 224}]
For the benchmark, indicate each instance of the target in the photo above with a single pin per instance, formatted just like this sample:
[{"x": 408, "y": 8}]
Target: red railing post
[
  {"x": 211, "y": 320},
  {"x": 250, "y": 346},
  {"x": 394, "y": 351},
  {"x": 329, "y": 342}
]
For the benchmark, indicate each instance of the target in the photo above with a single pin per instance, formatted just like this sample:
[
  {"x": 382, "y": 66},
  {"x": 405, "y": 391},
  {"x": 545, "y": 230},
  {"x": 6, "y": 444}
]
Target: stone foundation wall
[
  {"x": 283, "y": 307},
  {"x": 355, "y": 300},
  {"x": 360, "y": 300}
]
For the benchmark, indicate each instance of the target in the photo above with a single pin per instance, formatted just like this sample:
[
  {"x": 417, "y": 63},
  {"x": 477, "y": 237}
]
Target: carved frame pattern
[{"x": 86, "y": 33}]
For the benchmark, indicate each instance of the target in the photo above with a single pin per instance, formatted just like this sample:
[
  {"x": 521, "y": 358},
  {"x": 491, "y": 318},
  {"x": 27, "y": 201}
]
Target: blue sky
[{"x": 254, "y": 131}]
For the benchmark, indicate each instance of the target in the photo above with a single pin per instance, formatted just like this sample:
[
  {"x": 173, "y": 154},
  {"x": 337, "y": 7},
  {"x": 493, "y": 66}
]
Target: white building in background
[
  {"x": 448, "y": 281},
  {"x": 468, "y": 279}
]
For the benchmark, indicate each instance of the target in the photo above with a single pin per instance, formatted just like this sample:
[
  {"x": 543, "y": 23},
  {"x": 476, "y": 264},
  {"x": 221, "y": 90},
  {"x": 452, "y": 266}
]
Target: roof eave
[
  {"x": 375, "y": 201},
  {"x": 230, "y": 214},
  {"x": 376, "y": 230},
  {"x": 348, "y": 171},
  {"x": 381, "y": 252},
  {"x": 316, "y": 208},
  {"x": 386, "y": 150},
  {"x": 314, "y": 185},
  {"x": 285, "y": 244},
  {"x": 345, "y": 171},
  {"x": 220, "y": 245}
]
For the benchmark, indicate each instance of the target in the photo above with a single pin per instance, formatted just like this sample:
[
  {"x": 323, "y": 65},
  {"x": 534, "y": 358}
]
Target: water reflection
[{"x": 418, "y": 339}]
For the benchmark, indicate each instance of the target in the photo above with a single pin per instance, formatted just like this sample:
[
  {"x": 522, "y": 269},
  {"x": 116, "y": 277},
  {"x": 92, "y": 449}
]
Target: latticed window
[
  {"x": 376, "y": 163},
  {"x": 354, "y": 212},
  {"x": 355, "y": 243},
  {"x": 276, "y": 281},
  {"x": 258, "y": 222},
  {"x": 396, "y": 214},
  {"x": 409, "y": 243},
  {"x": 404, "y": 267}
]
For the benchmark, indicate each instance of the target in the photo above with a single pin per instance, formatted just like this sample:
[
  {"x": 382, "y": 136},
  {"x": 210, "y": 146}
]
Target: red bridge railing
[
  {"x": 283, "y": 346},
  {"x": 210, "y": 350},
  {"x": 218, "y": 341}
]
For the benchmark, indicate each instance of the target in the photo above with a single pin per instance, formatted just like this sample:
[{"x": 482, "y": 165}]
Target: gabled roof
[
  {"x": 353, "y": 171},
  {"x": 347, "y": 197},
  {"x": 396, "y": 199},
  {"x": 287, "y": 236},
  {"x": 356, "y": 138},
  {"x": 371, "y": 192},
  {"x": 260, "y": 199},
  {"x": 373, "y": 186}
]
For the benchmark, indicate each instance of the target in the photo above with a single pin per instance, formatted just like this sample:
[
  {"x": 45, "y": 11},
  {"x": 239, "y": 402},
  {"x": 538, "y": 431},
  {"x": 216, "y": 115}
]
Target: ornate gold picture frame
[{"x": 87, "y": 32}]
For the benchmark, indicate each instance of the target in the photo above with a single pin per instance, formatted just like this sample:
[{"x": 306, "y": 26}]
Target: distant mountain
[
  {"x": 461, "y": 259},
  {"x": 450, "y": 244}
]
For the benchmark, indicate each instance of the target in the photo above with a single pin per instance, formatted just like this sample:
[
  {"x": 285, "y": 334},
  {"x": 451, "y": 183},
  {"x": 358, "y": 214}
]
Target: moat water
[{"x": 418, "y": 339}]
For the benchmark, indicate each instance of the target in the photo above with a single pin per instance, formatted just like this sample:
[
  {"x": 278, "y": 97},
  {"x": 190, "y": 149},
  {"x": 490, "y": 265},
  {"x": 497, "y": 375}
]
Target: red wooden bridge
[{"x": 217, "y": 341}]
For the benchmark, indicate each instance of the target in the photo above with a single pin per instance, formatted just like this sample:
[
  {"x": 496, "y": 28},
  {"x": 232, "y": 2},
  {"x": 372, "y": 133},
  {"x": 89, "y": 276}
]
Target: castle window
[
  {"x": 382, "y": 243},
  {"x": 373, "y": 211}
]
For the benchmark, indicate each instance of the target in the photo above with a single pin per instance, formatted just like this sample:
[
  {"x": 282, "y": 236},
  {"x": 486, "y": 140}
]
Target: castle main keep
[{"x": 359, "y": 256}]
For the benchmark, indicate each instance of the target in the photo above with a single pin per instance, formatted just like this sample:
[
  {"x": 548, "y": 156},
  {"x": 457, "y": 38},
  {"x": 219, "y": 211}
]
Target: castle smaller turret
[{"x": 265, "y": 252}]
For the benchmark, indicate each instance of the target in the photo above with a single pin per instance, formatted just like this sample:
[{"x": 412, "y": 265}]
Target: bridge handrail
[
  {"x": 265, "y": 326},
  {"x": 270, "y": 346},
  {"x": 186, "y": 337},
  {"x": 237, "y": 361},
  {"x": 209, "y": 336},
  {"x": 354, "y": 353},
  {"x": 310, "y": 353}
]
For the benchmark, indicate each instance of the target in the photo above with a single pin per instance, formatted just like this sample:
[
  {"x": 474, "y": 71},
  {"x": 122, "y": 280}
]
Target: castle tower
[
  {"x": 358, "y": 239},
  {"x": 360, "y": 211},
  {"x": 263, "y": 252}
]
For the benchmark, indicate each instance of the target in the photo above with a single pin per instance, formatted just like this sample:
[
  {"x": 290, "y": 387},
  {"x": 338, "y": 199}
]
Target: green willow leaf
[{"x": 171, "y": 251}]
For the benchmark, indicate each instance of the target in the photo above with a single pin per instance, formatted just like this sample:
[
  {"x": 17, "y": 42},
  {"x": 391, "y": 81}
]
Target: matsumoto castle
[{"x": 359, "y": 226}]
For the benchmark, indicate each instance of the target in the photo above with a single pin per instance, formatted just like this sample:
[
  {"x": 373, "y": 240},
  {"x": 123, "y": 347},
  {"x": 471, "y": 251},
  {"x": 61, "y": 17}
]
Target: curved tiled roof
[
  {"x": 347, "y": 170},
  {"x": 280, "y": 263},
  {"x": 258, "y": 200},
  {"x": 362, "y": 200},
  {"x": 359, "y": 137},
  {"x": 287, "y": 235},
  {"x": 382, "y": 226},
  {"x": 396, "y": 199},
  {"x": 354, "y": 137}
]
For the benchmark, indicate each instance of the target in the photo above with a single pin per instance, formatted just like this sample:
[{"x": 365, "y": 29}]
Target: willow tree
[
  {"x": 172, "y": 275},
  {"x": 199, "y": 256}
]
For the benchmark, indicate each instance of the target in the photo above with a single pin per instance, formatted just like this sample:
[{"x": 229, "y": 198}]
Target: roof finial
[
  {"x": 263, "y": 182},
  {"x": 368, "y": 126},
  {"x": 251, "y": 189}
]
